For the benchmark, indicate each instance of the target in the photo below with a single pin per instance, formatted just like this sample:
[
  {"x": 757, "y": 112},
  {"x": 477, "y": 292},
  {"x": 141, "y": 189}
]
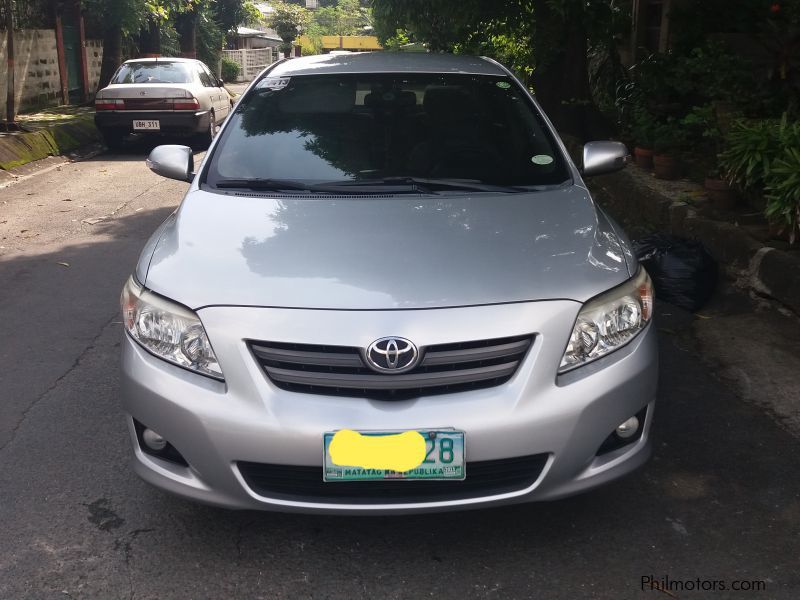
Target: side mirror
[
  {"x": 220, "y": 83},
  {"x": 173, "y": 162},
  {"x": 603, "y": 157}
]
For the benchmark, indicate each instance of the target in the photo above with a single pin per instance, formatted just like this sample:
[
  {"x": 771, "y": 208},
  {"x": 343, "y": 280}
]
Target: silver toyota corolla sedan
[{"x": 387, "y": 290}]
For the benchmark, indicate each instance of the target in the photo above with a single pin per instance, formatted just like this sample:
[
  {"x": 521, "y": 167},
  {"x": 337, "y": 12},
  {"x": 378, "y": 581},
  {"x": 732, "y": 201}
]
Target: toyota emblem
[{"x": 392, "y": 355}]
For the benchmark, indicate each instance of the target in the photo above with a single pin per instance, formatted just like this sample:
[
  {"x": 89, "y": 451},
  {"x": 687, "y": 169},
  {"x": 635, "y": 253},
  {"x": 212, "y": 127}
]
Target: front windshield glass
[
  {"x": 345, "y": 128},
  {"x": 153, "y": 72}
]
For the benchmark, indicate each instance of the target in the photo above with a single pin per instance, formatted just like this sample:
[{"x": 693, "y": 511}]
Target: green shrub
[
  {"x": 230, "y": 70},
  {"x": 643, "y": 128},
  {"x": 749, "y": 151},
  {"x": 669, "y": 137},
  {"x": 783, "y": 191},
  {"x": 764, "y": 156},
  {"x": 752, "y": 147}
]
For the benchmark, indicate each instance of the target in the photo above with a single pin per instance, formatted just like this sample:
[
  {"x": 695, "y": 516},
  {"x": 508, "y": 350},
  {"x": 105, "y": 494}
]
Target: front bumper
[
  {"x": 169, "y": 121},
  {"x": 216, "y": 424}
]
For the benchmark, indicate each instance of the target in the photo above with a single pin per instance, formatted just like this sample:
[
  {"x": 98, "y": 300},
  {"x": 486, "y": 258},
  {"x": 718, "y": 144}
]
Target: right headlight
[
  {"x": 168, "y": 330},
  {"x": 609, "y": 321}
]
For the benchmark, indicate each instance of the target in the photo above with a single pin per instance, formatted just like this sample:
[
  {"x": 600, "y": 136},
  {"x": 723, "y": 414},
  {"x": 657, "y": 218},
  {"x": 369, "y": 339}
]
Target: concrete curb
[
  {"x": 22, "y": 148},
  {"x": 763, "y": 269}
]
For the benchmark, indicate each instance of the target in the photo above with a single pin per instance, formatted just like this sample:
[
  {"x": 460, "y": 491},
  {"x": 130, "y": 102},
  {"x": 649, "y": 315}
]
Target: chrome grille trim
[{"x": 341, "y": 370}]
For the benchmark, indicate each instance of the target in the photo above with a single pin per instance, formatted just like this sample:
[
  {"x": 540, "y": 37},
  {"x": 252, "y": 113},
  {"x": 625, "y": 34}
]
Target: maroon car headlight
[
  {"x": 609, "y": 321},
  {"x": 168, "y": 330}
]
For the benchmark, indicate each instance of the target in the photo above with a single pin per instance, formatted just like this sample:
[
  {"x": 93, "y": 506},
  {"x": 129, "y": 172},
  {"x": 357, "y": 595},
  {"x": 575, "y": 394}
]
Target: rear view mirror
[
  {"x": 603, "y": 157},
  {"x": 172, "y": 161}
]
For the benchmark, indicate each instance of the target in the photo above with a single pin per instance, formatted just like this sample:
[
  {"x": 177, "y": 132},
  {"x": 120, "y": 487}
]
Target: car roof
[
  {"x": 161, "y": 59},
  {"x": 387, "y": 62}
]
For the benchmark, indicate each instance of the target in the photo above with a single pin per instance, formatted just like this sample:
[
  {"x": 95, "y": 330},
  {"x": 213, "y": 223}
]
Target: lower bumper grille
[
  {"x": 304, "y": 484},
  {"x": 341, "y": 370}
]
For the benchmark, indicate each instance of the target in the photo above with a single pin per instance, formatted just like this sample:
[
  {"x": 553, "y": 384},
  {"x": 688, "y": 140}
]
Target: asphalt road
[{"x": 720, "y": 501}]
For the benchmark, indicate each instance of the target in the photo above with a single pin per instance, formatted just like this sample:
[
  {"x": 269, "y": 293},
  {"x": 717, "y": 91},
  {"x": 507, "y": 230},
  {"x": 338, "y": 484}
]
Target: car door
[{"x": 219, "y": 96}]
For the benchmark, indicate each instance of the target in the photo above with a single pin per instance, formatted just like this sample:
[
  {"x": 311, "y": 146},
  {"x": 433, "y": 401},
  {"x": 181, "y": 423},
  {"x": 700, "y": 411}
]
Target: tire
[
  {"x": 205, "y": 138},
  {"x": 113, "y": 138}
]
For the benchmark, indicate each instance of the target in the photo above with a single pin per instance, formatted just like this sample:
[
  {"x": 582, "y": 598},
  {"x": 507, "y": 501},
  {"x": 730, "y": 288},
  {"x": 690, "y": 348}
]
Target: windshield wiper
[
  {"x": 374, "y": 186},
  {"x": 428, "y": 185},
  {"x": 258, "y": 183}
]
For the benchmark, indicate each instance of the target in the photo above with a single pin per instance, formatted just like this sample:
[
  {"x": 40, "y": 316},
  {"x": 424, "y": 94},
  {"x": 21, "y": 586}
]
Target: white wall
[
  {"x": 94, "y": 62},
  {"x": 36, "y": 75}
]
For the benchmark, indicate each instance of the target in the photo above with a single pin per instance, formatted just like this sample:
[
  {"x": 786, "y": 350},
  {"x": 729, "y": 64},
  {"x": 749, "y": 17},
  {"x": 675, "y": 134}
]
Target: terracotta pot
[
  {"x": 780, "y": 231},
  {"x": 666, "y": 166},
  {"x": 720, "y": 193},
  {"x": 644, "y": 158}
]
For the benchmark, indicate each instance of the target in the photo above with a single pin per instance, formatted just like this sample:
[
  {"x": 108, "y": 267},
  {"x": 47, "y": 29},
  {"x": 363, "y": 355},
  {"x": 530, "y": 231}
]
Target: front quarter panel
[{"x": 143, "y": 264}]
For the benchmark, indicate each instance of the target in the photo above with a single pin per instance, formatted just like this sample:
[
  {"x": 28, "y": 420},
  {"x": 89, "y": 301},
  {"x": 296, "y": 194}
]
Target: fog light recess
[
  {"x": 154, "y": 444},
  {"x": 627, "y": 432}
]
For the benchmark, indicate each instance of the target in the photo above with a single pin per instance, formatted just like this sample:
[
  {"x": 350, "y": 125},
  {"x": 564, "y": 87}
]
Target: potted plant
[
  {"x": 643, "y": 128},
  {"x": 668, "y": 141},
  {"x": 719, "y": 191},
  {"x": 702, "y": 123}
]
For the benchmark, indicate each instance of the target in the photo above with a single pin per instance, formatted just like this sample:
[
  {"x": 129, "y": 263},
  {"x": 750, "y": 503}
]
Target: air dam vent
[
  {"x": 304, "y": 484},
  {"x": 340, "y": 370}
]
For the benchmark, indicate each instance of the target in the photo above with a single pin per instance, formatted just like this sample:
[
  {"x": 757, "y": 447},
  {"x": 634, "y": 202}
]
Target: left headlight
[
  {"x": 609, "y": 321},
  {"x": 168, "y": 330}
]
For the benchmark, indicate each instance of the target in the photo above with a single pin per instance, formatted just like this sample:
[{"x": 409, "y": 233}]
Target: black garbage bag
[{"x": 682, "y": 270}]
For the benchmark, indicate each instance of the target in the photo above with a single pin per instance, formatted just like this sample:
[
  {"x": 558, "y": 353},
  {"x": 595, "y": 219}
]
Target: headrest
[
  {"x": 321, "y": 97},
  {"x": 447, "y": 102},
  {"x": 406, "y": 98}
]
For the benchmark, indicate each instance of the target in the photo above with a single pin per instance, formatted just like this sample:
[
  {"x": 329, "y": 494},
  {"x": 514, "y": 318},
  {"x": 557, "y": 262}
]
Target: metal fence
[{"x": 252, "y": 61}]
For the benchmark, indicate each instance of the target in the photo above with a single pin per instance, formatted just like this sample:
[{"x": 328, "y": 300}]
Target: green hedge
[{"x": 230, "y": 70}]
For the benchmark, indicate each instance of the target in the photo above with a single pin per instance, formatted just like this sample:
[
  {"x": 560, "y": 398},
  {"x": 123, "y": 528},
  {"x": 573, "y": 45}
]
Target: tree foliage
[
  {"x": 171, "y": 27},
  {"x": 346, "y": 17},
  {"x": 342, "y": 17},
  {"x": 287, "y": 20},
  {"x": 545, "y": 41}
]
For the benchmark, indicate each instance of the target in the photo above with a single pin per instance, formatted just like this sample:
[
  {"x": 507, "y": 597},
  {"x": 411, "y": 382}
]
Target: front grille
[
  {"x": 305, "y": 484},
  {"x": 341, "y": 371}
]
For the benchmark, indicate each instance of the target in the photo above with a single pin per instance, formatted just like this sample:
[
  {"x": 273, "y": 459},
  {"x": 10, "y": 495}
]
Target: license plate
[
  {"x": 444, "y": 459},
  {"x": 153, "y": 125}
]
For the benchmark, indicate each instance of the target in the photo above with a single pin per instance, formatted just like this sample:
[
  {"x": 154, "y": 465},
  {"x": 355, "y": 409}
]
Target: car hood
[{"x": 391, "y": 252}]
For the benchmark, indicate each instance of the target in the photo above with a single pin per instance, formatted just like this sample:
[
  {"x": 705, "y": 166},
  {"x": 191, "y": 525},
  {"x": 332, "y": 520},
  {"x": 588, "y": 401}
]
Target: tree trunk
[
  {"x": 112, "y": 52},
  {"x": 562, "y": 82},
  {"x": 186, "y": 26},
  {"x": 150, "y": 39}
]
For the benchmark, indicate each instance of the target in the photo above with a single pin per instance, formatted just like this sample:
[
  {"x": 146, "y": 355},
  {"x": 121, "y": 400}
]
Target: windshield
[
  {"x": 368, "y": 127},
  {"x": 153, "y": 72}
]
